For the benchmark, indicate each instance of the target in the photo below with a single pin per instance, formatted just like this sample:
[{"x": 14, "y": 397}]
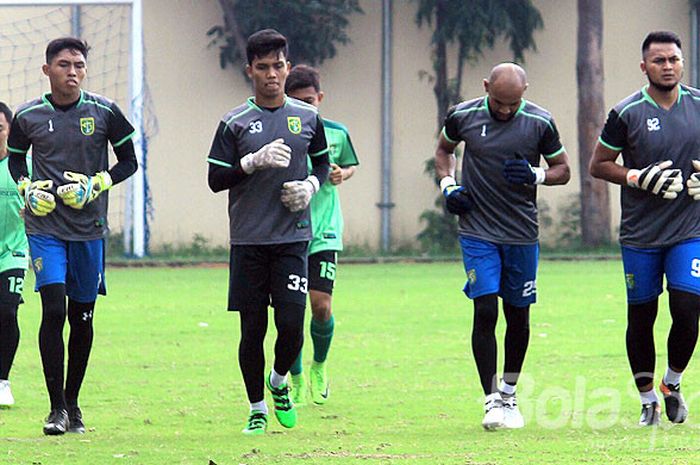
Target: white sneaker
[
  {"x": 494, "y": 414},
  {"x": 6, "y": 398},
  {"x": 513, "y": 417}
]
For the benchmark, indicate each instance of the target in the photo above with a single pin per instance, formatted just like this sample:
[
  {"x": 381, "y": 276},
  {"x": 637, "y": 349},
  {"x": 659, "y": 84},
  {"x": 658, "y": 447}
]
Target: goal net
[{"x": 25, "y": 30}]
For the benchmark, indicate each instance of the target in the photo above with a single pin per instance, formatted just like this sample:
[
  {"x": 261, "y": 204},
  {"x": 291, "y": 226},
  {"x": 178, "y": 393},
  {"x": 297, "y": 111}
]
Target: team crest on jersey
[
  {"x": 38, "y": 265},
  {"x": 87, "y": 126},
  {"x": 471, "y": 276},
  {"x": 294, "y": 124},
  {"x": 629, "y": 279}
]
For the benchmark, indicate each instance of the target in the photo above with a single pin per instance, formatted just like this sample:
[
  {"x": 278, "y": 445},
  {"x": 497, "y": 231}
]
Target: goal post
[{"x": 23, "y": 29}]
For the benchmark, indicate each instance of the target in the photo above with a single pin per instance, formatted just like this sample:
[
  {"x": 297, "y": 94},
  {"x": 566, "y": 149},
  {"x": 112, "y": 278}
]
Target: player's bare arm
[
  {"x": 558, "y": 172},
  {"x": 603, "y": 166},
  {"x": 445, "y": 160}
]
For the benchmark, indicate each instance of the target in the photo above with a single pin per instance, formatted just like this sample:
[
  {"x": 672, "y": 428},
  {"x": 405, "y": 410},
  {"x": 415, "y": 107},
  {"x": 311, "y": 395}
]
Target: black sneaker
[
  {"x": 651, "y": 414},
  {"x": 75, "y": 418},
  {"x": 56, "y": 422},
  {"x": 676, "y": 408}
]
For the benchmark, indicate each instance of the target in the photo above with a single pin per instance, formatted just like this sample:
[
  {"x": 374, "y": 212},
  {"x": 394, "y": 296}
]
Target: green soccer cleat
[
  {"x": 319, "y": 383},
  {"x": 257, "y": 424},
  {"x": 298, "y": 390},
  {"x": 285, "y": 411}
]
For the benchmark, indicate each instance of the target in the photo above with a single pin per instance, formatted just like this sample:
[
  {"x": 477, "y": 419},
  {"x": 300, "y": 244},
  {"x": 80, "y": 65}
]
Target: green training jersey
[
  {"x": 326, "y": 217},
  {"x": 13, "y": 240}
]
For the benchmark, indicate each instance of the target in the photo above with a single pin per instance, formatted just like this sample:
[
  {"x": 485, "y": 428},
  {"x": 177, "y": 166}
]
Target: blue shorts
[
  {"x": 77, "y": 264},
  {"x": 507, "y": 270},
  {"x": 645, "y": 269}
]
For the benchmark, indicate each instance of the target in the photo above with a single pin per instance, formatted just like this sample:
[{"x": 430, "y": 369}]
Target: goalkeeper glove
[
  {"x": 276, "y": 154},
  {"x": 693, "y": 182},
  {"x": 657, "y": 179},
  {"x": 296, "y": 195},
  {"x": 519, "y": 171},
  {"x": 36, "y": 196},
  {"x": 457, "y": 199},
  {"x": 83, "y": 189}
]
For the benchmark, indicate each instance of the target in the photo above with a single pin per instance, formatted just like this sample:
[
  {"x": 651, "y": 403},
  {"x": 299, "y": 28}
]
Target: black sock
[
  {"x": 640, "y": 341},
  {"x": 251, "y": 354},
  {"x": 53, "y": 306},
  {"x": 289, "y": 322},
  {"x": 683, "y": 336},
  {"x": 484, "y": 340},
  {"x": 9, "y": 337},
  {"x": 79, "y": 346},
  {"x": 516, "y": 341}
]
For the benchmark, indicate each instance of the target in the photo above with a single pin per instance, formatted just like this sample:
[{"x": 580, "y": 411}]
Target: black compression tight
[
  {"x": 289, "y": 322},
  {"x": 641, "y": 352},
  {"x": 53, "y": 317},
  {"x": 683, "y": 336},
  {"x": 9, "y": 337},
  {"x": 516, "y": 341},
  {"x": 79, "y": 347},
  {"x": 484, "y": 340}
]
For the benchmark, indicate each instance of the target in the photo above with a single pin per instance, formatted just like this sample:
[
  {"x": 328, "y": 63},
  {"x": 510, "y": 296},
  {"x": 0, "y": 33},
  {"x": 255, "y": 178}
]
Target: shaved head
[
  {"x": 510, "y": 73},
  {"x": 505, "y": 86}
]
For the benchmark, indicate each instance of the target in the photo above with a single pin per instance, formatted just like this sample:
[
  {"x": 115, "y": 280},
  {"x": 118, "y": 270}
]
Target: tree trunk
[
  {"x": 232, "y": 24},
  {"x": 595, "y": 200},
  {"x": 440, "y": 88}
]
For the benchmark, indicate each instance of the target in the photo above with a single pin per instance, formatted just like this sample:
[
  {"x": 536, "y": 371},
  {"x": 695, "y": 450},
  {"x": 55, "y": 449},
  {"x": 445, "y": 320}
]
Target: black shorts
[
  {"x": 264, "y": 274},
  {"x": 322, "y": 271},
  {"x": 11, "y": 284}
]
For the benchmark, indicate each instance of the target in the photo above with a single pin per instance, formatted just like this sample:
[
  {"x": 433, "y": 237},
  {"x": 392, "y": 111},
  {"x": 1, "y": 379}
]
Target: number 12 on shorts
[{"x": 297, "y": 283}]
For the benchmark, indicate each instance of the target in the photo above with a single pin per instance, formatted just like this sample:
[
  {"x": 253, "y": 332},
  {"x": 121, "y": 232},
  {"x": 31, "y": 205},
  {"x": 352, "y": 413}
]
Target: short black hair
[
  {"x": 56, "y": 46},
  {"x": 660, "y": 37},
  {"x": 5, "y": 110},
  {"x": 264, "y": 42},
  {"x": 301, "y": 77}
]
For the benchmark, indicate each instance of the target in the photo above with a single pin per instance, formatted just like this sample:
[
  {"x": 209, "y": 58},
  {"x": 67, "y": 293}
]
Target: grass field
[{"x": 163, "y": 386}]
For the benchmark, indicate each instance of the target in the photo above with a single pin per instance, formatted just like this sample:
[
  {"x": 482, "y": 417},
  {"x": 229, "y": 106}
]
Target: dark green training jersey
[
  {"x": 503, "y": 213},
  {"x": 645, "y": 133},
  {"x": 326, "y": 216},
  {"x": 75, "y": 139},
  {"x": 256, "y": 213}
]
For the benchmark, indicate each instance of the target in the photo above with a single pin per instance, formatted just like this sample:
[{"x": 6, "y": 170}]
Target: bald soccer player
[{"x": 504, "y": 137}]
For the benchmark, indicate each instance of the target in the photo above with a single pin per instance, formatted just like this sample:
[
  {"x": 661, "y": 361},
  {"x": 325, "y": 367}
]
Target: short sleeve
[
  {"x": 550, "y": 144},
  {"x": 120, "y": 129},
  {"x": 614, "y": 134},
  {"x": 318, "y": 145}
]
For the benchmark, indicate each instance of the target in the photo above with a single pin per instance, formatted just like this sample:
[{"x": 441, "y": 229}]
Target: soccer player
[
  {"x": 13, "y": 261},
  {"x": 504, "y": 136},
  {"x": 259, "y": 154},
  {"x": 68, "y": 130},
  {"x": 304, "y": 84},
  {"x": 657, "y": 132}
]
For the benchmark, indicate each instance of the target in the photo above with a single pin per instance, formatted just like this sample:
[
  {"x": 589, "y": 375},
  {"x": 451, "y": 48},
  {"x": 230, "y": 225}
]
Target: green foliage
[{"x": 312, "y": 27}]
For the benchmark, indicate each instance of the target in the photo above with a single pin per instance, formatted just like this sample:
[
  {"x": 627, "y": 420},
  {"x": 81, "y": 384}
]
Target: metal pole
[
  {"x": 695, "y": 51},
  {"x": 386, "y": 204},
  {"x": 136, "y": 110},
  {"x": 75, "y": 26}
]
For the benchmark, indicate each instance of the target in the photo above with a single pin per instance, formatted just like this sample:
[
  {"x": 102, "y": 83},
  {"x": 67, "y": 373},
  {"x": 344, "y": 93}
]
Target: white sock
[
  {"x": 672, "y": 377},
  {"x": 492, "y": 397},
  {"x": 259, "y": 406},
  {"x": 649, "y": 396},
  {"x": 507, "y": 389},
  {"x": 277, "y": 379}
]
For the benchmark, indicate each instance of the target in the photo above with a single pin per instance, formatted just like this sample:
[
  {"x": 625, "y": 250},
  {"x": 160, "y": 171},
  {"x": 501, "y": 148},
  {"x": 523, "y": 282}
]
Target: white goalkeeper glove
[
  {"x": 84, "y": 189},
  {"x": 693, "y": 182},
  {"x": 296, "y": 195},
  {"x": 276, "y": 154},
  {"x": 657, "y": 179},
  {"x": 36, "y": 196}
]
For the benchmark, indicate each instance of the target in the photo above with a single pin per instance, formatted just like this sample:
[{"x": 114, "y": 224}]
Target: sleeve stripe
[
  {"x": 214, "y": 161},
  {"x": 124, "y": 139},
  {"x": 13, "y": 150},
  {"x": 444, "y": 134},
  {"x": 558, "y": 152},
  {"x": 611, "y": 147},
  {"x": 326, "y": 150}
]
